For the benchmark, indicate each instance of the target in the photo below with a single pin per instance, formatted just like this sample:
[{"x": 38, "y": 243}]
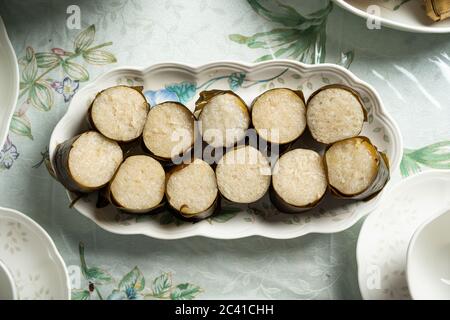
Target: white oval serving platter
[
  {"x": 9, "y": 82},
  {"x": 180, "y": 82},
  {"x": 397, "y": 14},
  {"x": 386, "y": 233},
  {"x": 37, "y": 268}
]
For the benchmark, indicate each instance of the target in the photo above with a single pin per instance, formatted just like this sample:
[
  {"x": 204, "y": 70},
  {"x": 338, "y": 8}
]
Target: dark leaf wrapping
[
  {"x": 438, "y": 10},
  {"x": 61, "y": 166}
]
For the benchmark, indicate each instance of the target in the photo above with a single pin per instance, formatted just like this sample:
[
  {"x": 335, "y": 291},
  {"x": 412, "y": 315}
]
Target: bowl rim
[
  {"x": 388, "y": 22},
  {"x": 196, "y": 69}
]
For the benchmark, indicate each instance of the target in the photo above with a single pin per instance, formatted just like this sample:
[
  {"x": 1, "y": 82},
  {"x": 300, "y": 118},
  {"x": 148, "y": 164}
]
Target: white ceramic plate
[
  {"x": 385, "y": 235},
  {"x": 9, "y": 82},
  {"x": 410, "y": 16},
  {"x": 30, "y": 255},
  {"x": 173, "y": 81}
]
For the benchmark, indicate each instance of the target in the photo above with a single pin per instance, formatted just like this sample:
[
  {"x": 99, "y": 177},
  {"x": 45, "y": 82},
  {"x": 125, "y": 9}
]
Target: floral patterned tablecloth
[{"x": 410, "y": 71}]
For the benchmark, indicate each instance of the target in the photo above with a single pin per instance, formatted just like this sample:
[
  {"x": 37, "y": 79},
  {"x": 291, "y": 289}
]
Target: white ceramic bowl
[
  {"x": 8, "y": 289},
  {"x": 410, "y": 16},
  {"x": 175, "y": 81},
  {"x": 9, "y": 82},
  {"x": 428, "y": 260}
]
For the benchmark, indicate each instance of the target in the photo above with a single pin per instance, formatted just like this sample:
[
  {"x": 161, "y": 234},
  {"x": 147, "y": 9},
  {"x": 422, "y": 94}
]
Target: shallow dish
[
  {"x": 179, "y": 82},
  {"x": 406, "y": 16},
  {"x": 383, "y": 241},
  {"x": 9, "y": 82},
  {"x": 37, "y": 268}
]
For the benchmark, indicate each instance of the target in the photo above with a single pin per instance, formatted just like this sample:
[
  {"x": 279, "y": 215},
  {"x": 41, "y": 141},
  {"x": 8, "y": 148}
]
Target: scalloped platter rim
[{"x": 182, "y": 82}]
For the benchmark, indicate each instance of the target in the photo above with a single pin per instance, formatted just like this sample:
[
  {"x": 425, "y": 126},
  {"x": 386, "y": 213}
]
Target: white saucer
[
  {"x": 383, "y": 241},
  {"x": 30, "y": 255}
]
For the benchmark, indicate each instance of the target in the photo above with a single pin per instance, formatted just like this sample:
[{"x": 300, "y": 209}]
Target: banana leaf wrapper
[
  {"x": 61, "y": 166},
  {"x": 437, "y": 10}
]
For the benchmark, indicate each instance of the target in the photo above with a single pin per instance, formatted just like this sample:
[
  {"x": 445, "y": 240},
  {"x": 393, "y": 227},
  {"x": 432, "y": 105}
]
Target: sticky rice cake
[
  {"x": 139, "y": 184},
  {"x": 119, "y": 113},
  {"x": 352, "y": 165},
  {"x": 299, "y": 178},
  {"x": 334, "y": 113},
  {"x": 243, "y": 174},
  {"x": 279, "y": 113},
  {"x": 224, "y": 120},
  {"x": 169, "y": 130},
  {"x": 87, "y": 162},
  {"x": 192, "y": 188}
]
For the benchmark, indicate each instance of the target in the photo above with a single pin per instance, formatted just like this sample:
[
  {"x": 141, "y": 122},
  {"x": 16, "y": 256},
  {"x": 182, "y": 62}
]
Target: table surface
[{"x": 410, "y": 71}]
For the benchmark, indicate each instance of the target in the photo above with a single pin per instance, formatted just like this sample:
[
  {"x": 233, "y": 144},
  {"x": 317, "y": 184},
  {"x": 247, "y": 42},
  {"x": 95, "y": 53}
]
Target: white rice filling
[
  {"x": 192, "y": 189},
  {"x": 169, "y": 130},
  {"x": 243, "y": 175},
  {"x": 299, "y": 177},
  {"x": 224, "y": 120},
  {"x": 93, "y": 159},
  {"x": 139, "y": 183},
  {"x": 119, "y": 113},
  {"x": 351, "y": 166},
  {"x": 334, "y": 114},
  {"x": 279, "y": 112}
]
